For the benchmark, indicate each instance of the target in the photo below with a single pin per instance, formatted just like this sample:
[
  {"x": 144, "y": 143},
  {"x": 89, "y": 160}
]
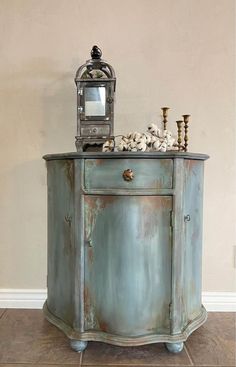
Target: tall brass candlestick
[
  {"x": 186, "y": 121},
  {"x": 165, "y": 115},
  {"x": 179, "y": 125}
]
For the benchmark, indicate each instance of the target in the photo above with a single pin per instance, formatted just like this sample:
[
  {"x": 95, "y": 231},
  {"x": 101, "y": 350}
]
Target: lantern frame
[{"x": 96, "y": 83}]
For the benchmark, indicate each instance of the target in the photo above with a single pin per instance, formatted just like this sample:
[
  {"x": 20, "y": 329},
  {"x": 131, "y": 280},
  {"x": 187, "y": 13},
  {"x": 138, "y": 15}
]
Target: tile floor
[{"x": 27, "y": 339}]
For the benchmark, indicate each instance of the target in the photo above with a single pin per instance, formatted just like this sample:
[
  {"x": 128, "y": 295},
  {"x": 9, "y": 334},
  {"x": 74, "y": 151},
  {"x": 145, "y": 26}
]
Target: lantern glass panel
[{"x": 95, "y": 101}]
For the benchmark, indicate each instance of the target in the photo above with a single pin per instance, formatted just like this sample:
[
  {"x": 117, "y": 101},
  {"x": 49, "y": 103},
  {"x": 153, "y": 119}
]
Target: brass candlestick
[
  {"x": 186, "y": 121},
  {"x": 165, "y": 115},
  {"x": 179, "y": 125}
]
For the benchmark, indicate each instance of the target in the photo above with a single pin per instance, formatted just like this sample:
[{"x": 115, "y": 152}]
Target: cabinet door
[
  {"x": 127, "y": 264},
  {"x": 193, "y": 180}
]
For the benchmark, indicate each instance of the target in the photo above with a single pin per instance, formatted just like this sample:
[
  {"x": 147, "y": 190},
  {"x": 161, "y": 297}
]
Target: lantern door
[{"x": 95, "y": 101}]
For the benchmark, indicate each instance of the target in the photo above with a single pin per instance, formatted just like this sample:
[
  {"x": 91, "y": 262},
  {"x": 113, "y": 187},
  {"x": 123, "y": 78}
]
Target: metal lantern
[{"x": 95, "y": 81}]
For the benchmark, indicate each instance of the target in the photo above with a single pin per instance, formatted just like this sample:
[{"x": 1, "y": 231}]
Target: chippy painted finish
[
  {"x": 128, "y": 268},
  {"x": 124, "y": 257}
]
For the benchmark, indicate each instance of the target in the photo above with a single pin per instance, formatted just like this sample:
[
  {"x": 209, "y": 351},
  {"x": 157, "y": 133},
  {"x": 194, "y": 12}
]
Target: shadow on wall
[
  {"x": 38, "y": 102},
  {"x": 24, "y": 222},
  {"x": 58, "y": 127}
]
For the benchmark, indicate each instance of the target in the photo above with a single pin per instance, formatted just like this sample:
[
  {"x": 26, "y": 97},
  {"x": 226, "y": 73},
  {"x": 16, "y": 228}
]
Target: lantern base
[{"x": 90, "y": 144}]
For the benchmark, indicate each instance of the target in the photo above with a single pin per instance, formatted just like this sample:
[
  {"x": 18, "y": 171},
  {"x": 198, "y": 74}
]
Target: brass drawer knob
[{"x": 128, "y": 175}]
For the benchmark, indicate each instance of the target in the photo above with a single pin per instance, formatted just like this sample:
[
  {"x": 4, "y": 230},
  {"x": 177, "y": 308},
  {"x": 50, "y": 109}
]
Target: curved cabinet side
[
  {"x": 124, "y": 341},
  {"x": 61, "y": 239}
]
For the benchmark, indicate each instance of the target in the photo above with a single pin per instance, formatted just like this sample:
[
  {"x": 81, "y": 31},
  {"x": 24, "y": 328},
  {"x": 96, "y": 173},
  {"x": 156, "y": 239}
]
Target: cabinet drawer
[{"x": 105, "y": 174}]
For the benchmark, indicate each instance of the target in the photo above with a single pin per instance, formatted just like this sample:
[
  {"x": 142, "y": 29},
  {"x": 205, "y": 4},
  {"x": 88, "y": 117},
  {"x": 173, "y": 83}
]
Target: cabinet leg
[
  {"x": 78, "y": 345},
  {"x": 174, "y": 347}
]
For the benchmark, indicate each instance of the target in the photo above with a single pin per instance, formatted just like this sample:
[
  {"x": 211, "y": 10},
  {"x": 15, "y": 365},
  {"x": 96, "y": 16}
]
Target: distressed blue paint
[
  {"x": 128, "y": 264},
  {"x": 61, "y": 239},
  {"x": 114, "y": 262},
  {"x": 193, "y": 200}
]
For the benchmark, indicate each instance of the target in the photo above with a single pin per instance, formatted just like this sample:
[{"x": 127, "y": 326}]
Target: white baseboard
[
  {"x": 34, "y": 298},
  {"x": 219, "y": 301},
  {"x": 22, "y": 298}
]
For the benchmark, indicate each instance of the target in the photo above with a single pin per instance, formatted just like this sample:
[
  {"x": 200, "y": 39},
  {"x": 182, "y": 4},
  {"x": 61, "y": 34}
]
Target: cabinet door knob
[
  {"x": 128, "y": 175},
  {"x": 90, "y": 244},
  {"x": 187, "y": 218}
]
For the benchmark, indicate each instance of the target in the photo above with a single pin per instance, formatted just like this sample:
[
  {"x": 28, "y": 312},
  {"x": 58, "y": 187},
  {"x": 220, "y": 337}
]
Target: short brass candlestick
[
  {"x": 179, "y": 125},
  {"x": 186, "y": 121},
  {"x": 165, "y": 115}
]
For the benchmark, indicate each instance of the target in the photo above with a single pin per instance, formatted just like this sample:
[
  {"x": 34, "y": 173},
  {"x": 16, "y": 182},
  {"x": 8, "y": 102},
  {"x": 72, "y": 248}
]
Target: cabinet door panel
[
  {"x": 127, "y": 264},
  {"x": 193, "y": 238}
]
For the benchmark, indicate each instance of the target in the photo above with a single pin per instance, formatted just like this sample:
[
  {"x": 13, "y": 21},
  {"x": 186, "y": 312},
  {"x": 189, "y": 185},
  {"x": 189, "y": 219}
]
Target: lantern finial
[{"x": 96, "y": 53}]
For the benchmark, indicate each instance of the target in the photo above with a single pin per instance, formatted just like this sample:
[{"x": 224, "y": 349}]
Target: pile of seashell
[{"x": 152, "y": 140}]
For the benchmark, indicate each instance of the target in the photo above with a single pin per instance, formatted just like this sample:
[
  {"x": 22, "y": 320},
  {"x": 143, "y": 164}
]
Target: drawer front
[
  {"x": 131, "y": 174},
  {"x": 95, "y": 130}
]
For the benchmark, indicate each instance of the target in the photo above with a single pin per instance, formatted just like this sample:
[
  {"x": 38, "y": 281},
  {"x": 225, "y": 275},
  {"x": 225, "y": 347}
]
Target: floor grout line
[
  {"x": 107, "y": 365},
  {"x": 188, "y": 354},
  {"x": 81, "y": 358},
  {"x": 135, "y": 365},
  {"x": 42, "y": 364},
  {"x": 5, "y": 310}
]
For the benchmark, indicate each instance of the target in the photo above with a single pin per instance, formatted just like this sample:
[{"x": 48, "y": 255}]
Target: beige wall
[{"x": 178, "y": 53}]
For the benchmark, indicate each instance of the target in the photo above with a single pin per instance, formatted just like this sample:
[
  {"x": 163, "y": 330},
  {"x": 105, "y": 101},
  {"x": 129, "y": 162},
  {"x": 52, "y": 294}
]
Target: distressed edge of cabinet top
[{"x": 120, "y": 155}]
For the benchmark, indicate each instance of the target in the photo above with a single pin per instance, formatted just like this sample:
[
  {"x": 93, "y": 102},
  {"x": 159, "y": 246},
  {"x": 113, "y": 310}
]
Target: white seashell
[
  {"x": 148, "y": 137},
  {"x": 126, "y": 140},
  {"x": 112, "y": 144},
  {"x": 141, "y": 145},
  {"x": 163, "y": 147},
  {"x": 129, "y": 135},
  {"x": 158, "y": 133},
  {"x": 154, "y": 139},
  {"x": 125, "y": 146},
  {"x": 137, "y": 136},
  {"x": 152, "y": 128},
  {"x": 170, "y": 141},
  {"x": 133, "y": 144},
  {"x": 108, "y": 146},
  {"x": 174, "y": 147},
  {"x": 122, "y": 145},
  {"x": 157, "y": 144},
  {"x": 167, "y": 134},
  {"x": 141, "y": 140}
]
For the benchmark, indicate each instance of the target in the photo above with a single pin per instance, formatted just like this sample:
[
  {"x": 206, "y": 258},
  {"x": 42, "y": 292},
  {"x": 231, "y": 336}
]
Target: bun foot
[
  {"x": 78, "y": 345},
  {"x": 174, "y": 347}
]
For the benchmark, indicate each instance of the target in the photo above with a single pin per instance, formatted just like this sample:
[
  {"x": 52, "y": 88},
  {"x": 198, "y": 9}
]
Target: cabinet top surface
[{"x": 99, "y": 155}]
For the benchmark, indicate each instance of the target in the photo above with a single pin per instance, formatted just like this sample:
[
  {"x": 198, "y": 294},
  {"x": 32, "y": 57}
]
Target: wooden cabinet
[{"x": 124, "y": 257}]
